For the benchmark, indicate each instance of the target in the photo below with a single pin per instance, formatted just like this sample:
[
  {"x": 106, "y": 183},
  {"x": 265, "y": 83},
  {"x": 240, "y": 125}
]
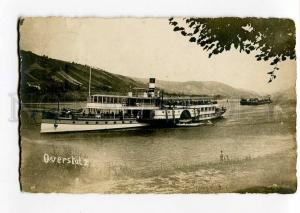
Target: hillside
[
  {"x": 201, "y": 88},
  {"x": 43, "y": 79},
  {"x": 286, "y": 96}
]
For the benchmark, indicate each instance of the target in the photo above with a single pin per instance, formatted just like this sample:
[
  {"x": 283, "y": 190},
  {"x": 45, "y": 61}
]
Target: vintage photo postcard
[{"x": 157, "y": 105}]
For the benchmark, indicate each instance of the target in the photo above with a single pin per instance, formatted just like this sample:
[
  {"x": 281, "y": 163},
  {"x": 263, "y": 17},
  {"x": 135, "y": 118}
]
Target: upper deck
[
  {"x": 130, "y": 102},
  {"x": 143, "y": 99},
  {"x": 122, "y": 102}
]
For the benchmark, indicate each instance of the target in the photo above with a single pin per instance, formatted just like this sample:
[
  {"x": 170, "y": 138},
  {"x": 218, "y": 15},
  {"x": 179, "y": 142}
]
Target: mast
[{"x": 90, "y": 82}]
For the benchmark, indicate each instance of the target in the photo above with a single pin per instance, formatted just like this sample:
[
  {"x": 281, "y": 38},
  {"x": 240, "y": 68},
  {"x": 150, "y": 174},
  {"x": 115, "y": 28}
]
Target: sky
[{"x": 147, "y": 47}]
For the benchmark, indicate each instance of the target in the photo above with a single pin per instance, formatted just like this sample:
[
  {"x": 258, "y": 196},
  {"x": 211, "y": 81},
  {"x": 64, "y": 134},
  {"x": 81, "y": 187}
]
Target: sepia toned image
[{"x": 157, "y": 105}]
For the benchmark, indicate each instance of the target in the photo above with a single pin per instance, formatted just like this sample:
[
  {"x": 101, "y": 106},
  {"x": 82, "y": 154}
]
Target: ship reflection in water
[{"x": 258, "y": 144}]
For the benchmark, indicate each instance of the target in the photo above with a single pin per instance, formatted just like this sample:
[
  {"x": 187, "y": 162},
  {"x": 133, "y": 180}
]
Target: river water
[{"x": 115, "y": 157}]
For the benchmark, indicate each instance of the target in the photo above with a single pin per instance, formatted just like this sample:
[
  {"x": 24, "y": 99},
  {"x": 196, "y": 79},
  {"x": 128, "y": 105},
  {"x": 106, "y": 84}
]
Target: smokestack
[{"x": 151, "y": 90}]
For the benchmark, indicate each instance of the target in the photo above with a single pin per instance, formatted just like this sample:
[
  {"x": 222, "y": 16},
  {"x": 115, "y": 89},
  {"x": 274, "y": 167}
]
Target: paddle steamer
[{"x": 144, "y": 107}]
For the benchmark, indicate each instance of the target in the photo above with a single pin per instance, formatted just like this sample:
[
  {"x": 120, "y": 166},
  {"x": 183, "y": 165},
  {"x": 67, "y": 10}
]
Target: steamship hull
[
  {"x": 64, "y": 125},
  {"x": 68, "y": 125}
]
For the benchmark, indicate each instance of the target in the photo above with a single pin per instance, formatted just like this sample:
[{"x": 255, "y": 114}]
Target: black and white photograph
[{"x": 157, "y": 105}]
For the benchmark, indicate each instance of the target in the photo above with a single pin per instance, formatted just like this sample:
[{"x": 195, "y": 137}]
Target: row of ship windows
[
  {"x": 114, "y": 100},
  {"x": 201, "y": 109},
  {"x": 207, "y": 109},
  {"x": 108, "y": 100}
]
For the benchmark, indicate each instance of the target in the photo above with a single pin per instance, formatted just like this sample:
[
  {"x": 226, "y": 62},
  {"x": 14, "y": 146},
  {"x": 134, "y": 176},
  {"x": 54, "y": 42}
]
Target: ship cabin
[
  {"x": 116, "y": 106},
  {"x": 130, "y": 105},
  {"x": 184, "y": 102},
  {"x": 142, "y": 103},
  {"x": 186, "y": 108}
]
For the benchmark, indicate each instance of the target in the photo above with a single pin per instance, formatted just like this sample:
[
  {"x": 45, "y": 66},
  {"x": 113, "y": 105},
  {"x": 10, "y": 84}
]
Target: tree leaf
[
  {"x": 191, "y": 24},
  {"x": 178, "y": 28},
  {"x": 174, "y": 23},
  {"x": 236, "y": 45},
  {"x": 192, "y": 39}
]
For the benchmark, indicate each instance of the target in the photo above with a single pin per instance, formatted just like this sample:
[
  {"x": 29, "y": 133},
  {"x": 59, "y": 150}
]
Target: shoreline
[{"x": 273, "y": 173}]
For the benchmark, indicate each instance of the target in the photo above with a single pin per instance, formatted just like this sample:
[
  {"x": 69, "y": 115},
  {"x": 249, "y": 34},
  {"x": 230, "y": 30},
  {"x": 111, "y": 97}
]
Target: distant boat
[{"x": 255, "y": 101}]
